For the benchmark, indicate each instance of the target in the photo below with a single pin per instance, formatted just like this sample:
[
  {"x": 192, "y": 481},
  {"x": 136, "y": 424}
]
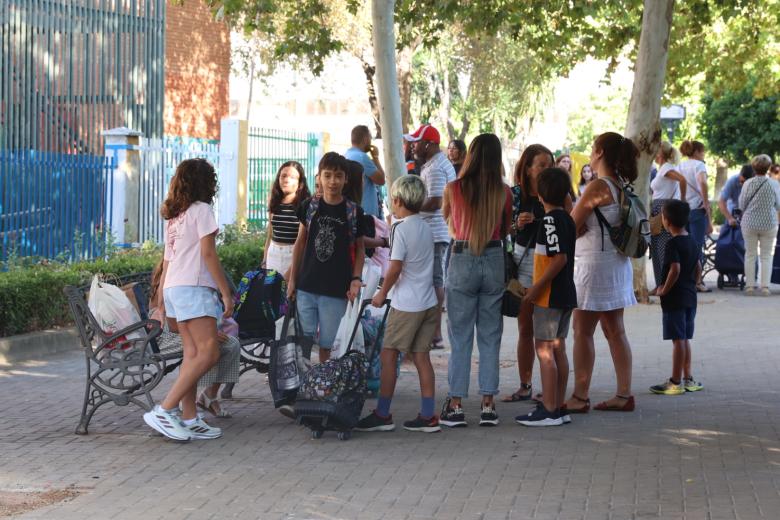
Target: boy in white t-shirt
[{"x": 413, "y": 308}]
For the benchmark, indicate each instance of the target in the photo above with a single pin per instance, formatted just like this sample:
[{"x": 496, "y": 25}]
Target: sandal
[
  {"x": 518, "y": 396},
  {"x": 628, "y": 406},
  {"x": 583, "y": 409},
  {"x": 437, "y": 344},
  {"x": 207, "y": 403}
]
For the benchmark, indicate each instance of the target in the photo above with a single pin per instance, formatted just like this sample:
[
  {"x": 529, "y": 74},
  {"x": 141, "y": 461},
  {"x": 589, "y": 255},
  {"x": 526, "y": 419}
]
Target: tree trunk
[
  {"x": 721, "y": 176},
  {"x": 369, "y": 70},
  {"x": 383, "y": 32},
  {"x": 643, "y": 126},
  {"x": 404, "y": 70},
  {"x": 251, "y": 88}
]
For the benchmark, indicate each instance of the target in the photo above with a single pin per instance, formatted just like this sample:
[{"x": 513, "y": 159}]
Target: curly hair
[
  {"x": 277, "y": 195},
  {"x": 194, "y": 181}
]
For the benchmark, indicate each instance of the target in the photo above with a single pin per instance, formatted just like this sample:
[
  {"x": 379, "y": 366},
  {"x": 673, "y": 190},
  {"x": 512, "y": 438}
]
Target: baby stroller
[
  {"x": 332, "y": 394},
  {"x": 730, "y": 257}
]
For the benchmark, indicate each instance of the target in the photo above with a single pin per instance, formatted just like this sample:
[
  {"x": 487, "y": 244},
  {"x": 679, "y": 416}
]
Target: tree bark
[
  {"x": 383, "y": 32},
  {"x": 370, "y": 71},
  {"x": 643, "y": 125},
  {"x": 404, "y": 71}
]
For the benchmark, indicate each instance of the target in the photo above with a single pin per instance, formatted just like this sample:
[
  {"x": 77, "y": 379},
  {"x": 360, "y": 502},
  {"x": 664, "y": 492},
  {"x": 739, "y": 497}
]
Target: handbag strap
[{"x": 753, "y": 195}]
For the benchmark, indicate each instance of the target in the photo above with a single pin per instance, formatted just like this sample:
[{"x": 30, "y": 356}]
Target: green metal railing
[
  {"x": 70, "y": 69},
  {"x": 268, "y": 150}
]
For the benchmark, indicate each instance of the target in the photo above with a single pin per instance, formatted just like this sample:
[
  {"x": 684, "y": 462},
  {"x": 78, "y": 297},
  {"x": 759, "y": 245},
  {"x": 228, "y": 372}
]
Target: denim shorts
[
  {"x": 318, "y": 312},
  {"x": 187, "y": 302},
  {"x": 678, "y": 323}
]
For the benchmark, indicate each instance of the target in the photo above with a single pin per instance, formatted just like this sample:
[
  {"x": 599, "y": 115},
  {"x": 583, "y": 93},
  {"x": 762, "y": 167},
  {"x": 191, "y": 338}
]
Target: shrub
[
  {"x": 31, "y": 297},
  {"x": 717, "y": 217}
]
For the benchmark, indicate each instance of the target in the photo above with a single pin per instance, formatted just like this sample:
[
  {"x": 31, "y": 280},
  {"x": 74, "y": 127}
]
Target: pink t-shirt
[{"x": 182, "y": 247}]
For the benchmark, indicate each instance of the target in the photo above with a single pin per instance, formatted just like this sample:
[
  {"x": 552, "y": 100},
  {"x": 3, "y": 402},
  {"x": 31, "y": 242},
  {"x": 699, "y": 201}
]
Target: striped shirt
[
  {"x": 284, "y": 225},
  {"x": 436, "y": 173}
]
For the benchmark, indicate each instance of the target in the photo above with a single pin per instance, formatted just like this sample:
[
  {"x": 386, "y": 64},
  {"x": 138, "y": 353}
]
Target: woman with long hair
[
  {"x": 586, "y": 176},
  {"x": 668, "y": 184},
  {"x": 603, "y": 277},
  {"x": 527, "y": 213},
  {"x": 478, "y": 207},
  {"x": 288, "y": 191}
]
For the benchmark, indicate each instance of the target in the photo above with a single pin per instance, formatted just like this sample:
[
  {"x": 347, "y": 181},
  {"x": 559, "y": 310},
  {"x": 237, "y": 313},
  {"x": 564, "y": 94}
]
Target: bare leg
[
  {"x": 422, "y": 361},
  {"x": 549, "y": 372},
  {"x": 584, "y": 355},
  {"x": 201, "y": 352},
  {"x": 678, "y": 359},
  {"x": 615, "y": 332},
  {"x": 562, "y": 363},
  {"x": 687, "y": 361},
  {"x": 387, "y": 378}
]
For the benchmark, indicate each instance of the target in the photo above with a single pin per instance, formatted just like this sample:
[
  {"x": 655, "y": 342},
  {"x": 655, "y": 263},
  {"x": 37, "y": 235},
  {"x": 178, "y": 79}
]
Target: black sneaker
[
  {"x": 452, "y": 417},
  {"x": 374, "y": 423},
  {"x": 488, "y": 417},
  {"x": 423, "y": 425},
  {"x": 540, "y": 417}
]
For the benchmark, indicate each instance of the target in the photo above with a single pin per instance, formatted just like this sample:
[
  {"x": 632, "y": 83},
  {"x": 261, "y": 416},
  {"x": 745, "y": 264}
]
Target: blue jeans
[
  {"x": 697, "y": 227},
  {"x": 475, "y": 286},
  {"x": 323, "y": 312}
]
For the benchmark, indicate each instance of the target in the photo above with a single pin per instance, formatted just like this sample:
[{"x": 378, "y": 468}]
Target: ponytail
[
  {"x": 620, "y": 155},
  {"x": 689, "y": 148}
]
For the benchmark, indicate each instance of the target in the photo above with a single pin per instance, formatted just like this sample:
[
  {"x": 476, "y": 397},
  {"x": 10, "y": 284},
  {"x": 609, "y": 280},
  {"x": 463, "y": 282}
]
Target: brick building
[{"x": 197, "y": 70}]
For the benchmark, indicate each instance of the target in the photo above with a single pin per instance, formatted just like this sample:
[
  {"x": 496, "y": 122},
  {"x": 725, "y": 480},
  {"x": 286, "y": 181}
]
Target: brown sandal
[
  {"x": 517, "y": 396},
  {"x": 584, "y": 409},
  {"x": 628, "y": 406}
]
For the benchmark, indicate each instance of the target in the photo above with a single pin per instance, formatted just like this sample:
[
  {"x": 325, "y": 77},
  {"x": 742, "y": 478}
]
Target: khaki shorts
[
  {"x": 551, "y": 324},
  {"x": 410, "y": 331}
]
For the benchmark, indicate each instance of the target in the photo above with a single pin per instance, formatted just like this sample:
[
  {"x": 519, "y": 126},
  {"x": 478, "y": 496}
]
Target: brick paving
[{"x": 711, "y": 455}]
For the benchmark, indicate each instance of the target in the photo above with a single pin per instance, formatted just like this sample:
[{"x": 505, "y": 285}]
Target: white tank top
[{"x": 596, "y": 241}]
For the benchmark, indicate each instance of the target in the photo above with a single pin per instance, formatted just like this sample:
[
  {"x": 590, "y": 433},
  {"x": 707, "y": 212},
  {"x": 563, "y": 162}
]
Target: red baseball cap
[{"x": 424, "y": 133}]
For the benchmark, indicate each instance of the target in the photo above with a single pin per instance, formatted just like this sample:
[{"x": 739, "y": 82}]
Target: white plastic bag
[
  {"x": 346, "y": 326},
  {"x": 371, "y": 276},
  {"x": 112, "y": 308}
]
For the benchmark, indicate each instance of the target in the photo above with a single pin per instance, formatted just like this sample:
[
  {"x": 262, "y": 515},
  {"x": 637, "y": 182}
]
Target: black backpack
[{"x": 260, "y": 301}]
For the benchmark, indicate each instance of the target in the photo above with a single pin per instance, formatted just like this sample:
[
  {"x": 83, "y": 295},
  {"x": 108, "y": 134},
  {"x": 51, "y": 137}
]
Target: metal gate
[
  {"x": 268, "y": 150},
  {"x": 70, "y": 69}
]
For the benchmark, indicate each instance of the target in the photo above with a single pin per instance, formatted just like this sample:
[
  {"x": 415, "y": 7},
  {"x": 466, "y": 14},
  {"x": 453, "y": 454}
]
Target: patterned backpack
[
  {"x": 335, "y": 378},
  {"x": 260, "y": 300}
]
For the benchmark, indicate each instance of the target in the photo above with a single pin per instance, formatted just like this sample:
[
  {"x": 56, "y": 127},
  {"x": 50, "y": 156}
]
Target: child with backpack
[
  {"x": 328, "y": 256},
  {"x": 413, "y": 308},
  {"x": 288, "y": 191},
  {"x": 681, "y": 271},
  {"x": 553, "y": 295},
  {"x": 190, "y": 279}
]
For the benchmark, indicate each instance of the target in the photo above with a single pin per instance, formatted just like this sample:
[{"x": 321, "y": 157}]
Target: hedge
[{"x": 31, "y": 298}]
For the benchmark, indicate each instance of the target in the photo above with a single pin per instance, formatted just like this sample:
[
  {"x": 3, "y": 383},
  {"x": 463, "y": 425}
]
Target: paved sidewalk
[{"x": 711, "y": 455}]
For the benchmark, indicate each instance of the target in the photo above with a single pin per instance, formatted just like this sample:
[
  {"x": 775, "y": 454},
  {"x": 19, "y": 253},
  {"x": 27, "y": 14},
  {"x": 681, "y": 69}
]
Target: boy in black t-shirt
[
  {"x": 328, "y": 255},
  {"x": 681, "y": 270},
  {"x": 554, "y": 297}
]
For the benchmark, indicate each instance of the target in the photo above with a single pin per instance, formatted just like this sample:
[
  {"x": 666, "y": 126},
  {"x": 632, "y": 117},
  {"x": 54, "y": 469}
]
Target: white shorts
[
  {"x": 279, "y": 257},
  {"x": 525, "y": 270}
]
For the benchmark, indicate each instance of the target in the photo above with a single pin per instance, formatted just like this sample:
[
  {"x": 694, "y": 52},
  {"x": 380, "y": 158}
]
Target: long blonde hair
[{"x": 483, "y": 190}]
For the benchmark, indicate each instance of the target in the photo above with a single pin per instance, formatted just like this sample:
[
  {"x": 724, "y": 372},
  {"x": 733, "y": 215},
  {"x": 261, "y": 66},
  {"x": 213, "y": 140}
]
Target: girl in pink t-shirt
[{"x": 190, "y": 279}]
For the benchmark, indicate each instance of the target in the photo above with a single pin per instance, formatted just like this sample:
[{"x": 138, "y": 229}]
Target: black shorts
[{"x": 678, "y": 323}]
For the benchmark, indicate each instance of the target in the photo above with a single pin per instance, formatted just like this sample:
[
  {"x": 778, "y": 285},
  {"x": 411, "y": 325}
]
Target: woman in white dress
[{"x": 603, "y": 276}]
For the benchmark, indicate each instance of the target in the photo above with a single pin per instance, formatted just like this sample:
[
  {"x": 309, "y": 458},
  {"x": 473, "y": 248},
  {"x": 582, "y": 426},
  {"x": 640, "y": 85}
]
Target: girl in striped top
[{"x": 288, "y": 191}]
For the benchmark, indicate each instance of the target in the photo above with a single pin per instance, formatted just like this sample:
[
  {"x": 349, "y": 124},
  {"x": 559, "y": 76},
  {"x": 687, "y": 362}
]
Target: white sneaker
[
  {"x": 167, "y": 424},
  {"x": 200, "y": 430}
]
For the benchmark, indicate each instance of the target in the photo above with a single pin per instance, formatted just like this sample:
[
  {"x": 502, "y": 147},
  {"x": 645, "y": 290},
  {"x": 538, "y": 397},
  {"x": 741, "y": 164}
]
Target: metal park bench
[{"x": 119, "y": 370}]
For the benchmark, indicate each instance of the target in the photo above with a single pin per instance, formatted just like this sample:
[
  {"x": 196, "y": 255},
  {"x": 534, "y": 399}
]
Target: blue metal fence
[{"x": 54, "y": 204}]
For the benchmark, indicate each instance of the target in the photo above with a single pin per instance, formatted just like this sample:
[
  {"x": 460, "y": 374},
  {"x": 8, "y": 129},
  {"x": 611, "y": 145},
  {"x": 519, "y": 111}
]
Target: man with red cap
[{"x": 436, "y": 172}]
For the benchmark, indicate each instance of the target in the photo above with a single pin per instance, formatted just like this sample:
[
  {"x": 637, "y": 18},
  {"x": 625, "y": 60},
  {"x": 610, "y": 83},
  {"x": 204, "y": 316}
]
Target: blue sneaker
[{"x": 540, "y": 417}]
